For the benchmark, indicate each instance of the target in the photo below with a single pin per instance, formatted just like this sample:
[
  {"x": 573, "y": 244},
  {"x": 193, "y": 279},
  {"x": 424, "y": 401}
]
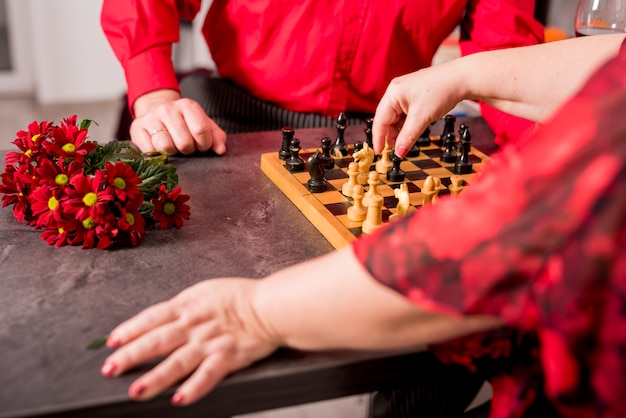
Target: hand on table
[
  {"x": 207, "y": 331},
  {"x": 165, "y": 121},
  {"x": 413, "y": 101}
]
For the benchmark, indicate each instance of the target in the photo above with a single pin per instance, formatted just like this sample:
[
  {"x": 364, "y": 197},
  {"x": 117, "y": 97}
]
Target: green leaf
[{"x": 100, "y": 342}]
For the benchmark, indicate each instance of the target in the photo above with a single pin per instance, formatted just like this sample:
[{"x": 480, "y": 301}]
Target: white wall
[{"x": 72, "y": 60}]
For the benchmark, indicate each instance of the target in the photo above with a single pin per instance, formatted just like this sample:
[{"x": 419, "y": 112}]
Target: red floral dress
[{"x": 540, "y": 241}]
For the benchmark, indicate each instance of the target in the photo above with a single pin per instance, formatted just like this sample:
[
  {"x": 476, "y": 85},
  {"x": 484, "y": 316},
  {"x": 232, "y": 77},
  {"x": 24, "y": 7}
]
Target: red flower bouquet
[{"x": 79, "y": 192}]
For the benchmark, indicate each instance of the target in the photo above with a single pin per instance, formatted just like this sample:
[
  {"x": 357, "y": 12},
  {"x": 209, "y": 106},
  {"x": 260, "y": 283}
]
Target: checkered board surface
[{"x": 327, "y": 211}]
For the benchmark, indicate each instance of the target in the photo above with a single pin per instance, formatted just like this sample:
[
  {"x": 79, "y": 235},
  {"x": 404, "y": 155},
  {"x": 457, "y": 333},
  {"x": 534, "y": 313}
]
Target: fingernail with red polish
[
  {"x": 108, "y": 369},
  {"x": 137, "y": 391},
  {"x": 113, "y": 341},
  {"x": 177, "y": 399},
  {"x": 401, "y": 151}
]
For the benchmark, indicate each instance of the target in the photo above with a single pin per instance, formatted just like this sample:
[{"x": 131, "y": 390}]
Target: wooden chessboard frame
[{"x": 336, "y": 228}]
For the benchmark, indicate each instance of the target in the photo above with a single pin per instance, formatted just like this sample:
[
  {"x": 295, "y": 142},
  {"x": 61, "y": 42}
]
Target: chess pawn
[
  {"x": 294, "y": 163},
  {"x": 457, "y": 185},
  {"x": 373, "y": 181},
  {"x": 327, "y": 145},
  {"x": 284, "y": 152},
  {"x": 374, "y": 216},
  {"x": 430, "y": 189},
  {"x": 463, "y": 165},
  {"x": 348, "y": 187},
  {"x": 340, "y": 149},
  {"x": 357, "y": 212},
  {"x": 396, "y": 174},
  {"x": 449, "y": 155},
  {"x": 448, "y": 126},
  {"x": 384, "y": 164},
  {"x": 403, "y": 208}
]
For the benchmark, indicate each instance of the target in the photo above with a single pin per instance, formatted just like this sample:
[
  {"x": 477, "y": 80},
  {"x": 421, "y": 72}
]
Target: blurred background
[{"x": 55, "y": 62}]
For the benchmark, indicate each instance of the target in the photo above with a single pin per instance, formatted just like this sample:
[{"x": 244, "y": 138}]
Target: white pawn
[
  {"x": 457, "y": 185},
  {"x": 348, "y": 186},
  {"x": 384, "y": 164},
  {"x": 357, "y": 211},
  {"x": 374, "y": 217},
  {"x": 373, "y": 181}
]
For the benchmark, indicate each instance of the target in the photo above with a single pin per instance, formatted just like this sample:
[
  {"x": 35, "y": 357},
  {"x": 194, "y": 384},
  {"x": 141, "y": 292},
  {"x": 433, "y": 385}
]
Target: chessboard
[{"x": 327, "y": 210}]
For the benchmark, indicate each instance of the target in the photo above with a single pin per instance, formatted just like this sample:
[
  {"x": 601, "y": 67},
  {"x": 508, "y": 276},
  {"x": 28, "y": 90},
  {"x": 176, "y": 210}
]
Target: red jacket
[{"x": 322, "y": 56}]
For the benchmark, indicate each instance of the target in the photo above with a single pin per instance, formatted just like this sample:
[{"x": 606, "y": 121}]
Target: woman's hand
[
  {"x": 412, "y": 102},
  {"x": 206, "y": 332},
  {"x": 166, "y": 122}
]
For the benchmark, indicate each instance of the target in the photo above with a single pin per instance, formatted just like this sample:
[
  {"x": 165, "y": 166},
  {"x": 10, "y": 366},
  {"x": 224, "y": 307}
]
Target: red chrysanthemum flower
[
  {"x": 132, "y": 225},
  {"x": 30, "y": 143},
  {"x": 63, "y": 234},
  {"x": 106, "y": 232},
  {"x": 87, "y": 197},
  {"x": 85, "y": 233},
  {"x": 46, "y": 205},
  {"x": 53, "y": 175},
  {"x": 15, "y": 187},
  {"x": 170, "y": 208},
  {"x": 124, "y": 182},
  {"x": 69, "y": 141}
]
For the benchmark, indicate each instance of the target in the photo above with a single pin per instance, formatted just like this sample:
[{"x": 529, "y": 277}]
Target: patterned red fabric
[
  {"x": 540, "y": 241},
  {"x": 322, "y": 56}
]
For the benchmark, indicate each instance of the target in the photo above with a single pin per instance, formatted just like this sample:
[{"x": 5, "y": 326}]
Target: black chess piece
[
  {"x": 424, "y": 138},
  {"x": 449, "y": 155},
  {"x": 462, "y": 129},
  {"x": 340, "y": 149},
  {"x": 284, "y": 152},
  {"x": 395, "y": 173},
  {"x": 369, "y": 123},
  {"x": 328, "y": 161},
  {"x": 315, "y": 164},
  {"x": 358, "y": 146},
  {"x": 414, "y": 151},
  {"x": 294, "y": 163},
  {"x": 448, "y": 127},
  {"x": 463, "y": 165}
]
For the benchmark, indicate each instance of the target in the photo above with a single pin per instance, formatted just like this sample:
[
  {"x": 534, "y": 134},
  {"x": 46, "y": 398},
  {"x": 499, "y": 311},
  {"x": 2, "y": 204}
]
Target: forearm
[
  {"x": 532, "y": 82},
  {"x": 333, "y": 302}
]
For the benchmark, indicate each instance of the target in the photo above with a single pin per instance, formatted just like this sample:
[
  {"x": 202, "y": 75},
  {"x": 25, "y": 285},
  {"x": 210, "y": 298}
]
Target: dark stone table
[{"x": 55, "y": 301}]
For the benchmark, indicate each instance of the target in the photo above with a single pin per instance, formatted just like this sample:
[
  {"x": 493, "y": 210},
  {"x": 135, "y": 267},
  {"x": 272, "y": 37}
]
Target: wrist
[{"x": 146, "y": 102}]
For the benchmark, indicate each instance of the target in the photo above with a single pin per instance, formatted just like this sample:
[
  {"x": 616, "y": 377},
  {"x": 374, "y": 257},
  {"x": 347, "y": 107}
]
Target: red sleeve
[
  {"x": 539, "y": 241},
  {"x": 484, "y": 251},
  {"x": 141, "y": 33},
  {"x": 496, "y": 24}
]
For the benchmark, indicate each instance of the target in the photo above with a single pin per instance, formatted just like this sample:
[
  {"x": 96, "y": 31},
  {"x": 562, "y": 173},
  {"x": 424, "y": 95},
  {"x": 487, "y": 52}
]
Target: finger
[
  {"x": 413, "y": 126},
  {"x": 141, "y": 138},
  {"x": 212, "y": 370},
  {"x": 146, "y": 320},
  {"x": 178, "y": 365},
  {"x": 172, "y": 139},
  {"x": 159, "y": 342},
  {"x": 204, "y": 131},
  {"x": 385, "y": 127},
  {"x": 181, "y": 138}
]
